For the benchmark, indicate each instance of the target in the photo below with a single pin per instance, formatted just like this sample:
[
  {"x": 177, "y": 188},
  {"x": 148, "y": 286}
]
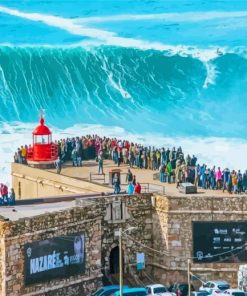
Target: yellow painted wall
[{"x": 31, "y": 182}]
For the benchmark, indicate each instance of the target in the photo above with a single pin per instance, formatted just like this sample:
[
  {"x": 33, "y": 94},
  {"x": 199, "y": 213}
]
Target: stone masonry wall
[
  {"x": 172, "y": 232},
  {"x": 2, "y": 263},
  {"x": 95, "y": 217},
  {"x": 162, "y": 223},
  {"x": 17, "y": 234},
  {"x": 139, "y": 215}
]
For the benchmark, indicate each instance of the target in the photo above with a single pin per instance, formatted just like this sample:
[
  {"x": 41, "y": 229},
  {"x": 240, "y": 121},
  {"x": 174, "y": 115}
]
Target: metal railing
[
  {"x": 49, "y": 151},
  {"x": 150, "y": 187},
  {"x": 146, "y": 187},
  {"x": 94, "y": 177}
]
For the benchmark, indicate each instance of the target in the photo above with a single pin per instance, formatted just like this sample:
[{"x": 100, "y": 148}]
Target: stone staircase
[
  {"x": 128, "y": 280},
  {"x": 131, "y": 279}
]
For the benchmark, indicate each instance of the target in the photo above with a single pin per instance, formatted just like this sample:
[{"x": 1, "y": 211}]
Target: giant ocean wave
[
  {"x": 132, "y": 74},
  {"x": 109, "y": 84}
]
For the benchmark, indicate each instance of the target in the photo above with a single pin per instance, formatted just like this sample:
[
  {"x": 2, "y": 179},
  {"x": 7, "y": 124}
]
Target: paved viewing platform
[
  {"x": 14, "y": 213},
  {"x": 92, "y": 185},
  {"x": 143, "y": 176}
]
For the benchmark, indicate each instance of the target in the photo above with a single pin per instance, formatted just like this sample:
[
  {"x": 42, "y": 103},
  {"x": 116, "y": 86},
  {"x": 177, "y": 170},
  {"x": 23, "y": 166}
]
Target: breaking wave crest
[{"x": 108, "y": 84}]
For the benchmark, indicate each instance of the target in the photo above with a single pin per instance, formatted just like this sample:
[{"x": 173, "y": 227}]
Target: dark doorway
[{"x": 114, "y": 260}]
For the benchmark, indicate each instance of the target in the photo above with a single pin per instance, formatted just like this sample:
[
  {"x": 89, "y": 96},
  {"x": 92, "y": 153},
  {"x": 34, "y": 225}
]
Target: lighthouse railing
[{"x": 43, "y": 152}]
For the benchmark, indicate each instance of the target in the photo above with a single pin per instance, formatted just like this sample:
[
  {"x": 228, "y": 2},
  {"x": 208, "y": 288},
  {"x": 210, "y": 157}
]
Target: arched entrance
[{"x": 114, "y": 260}]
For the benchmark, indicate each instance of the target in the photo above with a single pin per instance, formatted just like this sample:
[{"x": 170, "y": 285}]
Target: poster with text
[
  {"x": 56, "y": 257},
  {"x": 219, "y": 242}
]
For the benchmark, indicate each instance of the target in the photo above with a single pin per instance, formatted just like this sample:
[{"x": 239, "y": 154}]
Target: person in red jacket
[
  {"x": 4, "y": 192},
  {"x": 138, "y": 188}
]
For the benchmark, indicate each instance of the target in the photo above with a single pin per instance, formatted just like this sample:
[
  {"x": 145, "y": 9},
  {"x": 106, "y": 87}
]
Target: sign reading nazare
[{"x": 54, "y": 258}]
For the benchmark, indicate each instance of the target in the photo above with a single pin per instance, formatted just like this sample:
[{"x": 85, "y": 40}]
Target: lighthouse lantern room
[{"x": 43, "y": 152}]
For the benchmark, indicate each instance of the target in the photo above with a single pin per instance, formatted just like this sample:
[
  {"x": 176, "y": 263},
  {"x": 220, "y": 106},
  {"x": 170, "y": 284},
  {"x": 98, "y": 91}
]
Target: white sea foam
[
  {"x": 211, "y": 74},
  {"x": 66, "y": 24},
  {"x": 118, "y": 87},
  {"x": 174, "y": 17},
  {"x": 222, "y": 152},
  {"x": 103, "y": 37}
]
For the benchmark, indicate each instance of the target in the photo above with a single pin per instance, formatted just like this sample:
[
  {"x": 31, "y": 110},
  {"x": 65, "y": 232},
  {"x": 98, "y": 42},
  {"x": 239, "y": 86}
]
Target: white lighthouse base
[{"x": 45, "y": 164}]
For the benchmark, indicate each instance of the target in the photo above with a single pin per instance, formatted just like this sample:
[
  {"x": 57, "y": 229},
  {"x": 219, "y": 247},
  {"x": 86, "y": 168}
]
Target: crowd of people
[
  {"x": 20, "y": 155},
  {"x": 171, "y": 165},
  {"x": 218, "y": 179},
  {"x": 6, "y": 198}
]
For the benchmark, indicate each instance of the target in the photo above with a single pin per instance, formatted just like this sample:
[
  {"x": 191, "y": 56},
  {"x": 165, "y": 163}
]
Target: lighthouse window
[{"x": 42, "y": 139}]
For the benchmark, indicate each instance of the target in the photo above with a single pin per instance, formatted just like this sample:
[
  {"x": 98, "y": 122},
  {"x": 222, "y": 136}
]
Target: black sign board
[
  {"x": 219, "y": 242},
  {"x": 54, "y": 258}
]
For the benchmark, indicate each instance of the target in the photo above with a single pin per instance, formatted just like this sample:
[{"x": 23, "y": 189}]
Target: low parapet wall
[{"x": 31, "y": 182}]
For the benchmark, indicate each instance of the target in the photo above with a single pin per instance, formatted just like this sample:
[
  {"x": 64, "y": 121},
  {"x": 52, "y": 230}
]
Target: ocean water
[{"x": 162, "y": 72}]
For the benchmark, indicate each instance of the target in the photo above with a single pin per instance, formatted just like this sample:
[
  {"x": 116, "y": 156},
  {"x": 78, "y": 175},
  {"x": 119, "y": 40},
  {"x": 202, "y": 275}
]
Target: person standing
[
  {"x": 219, "y": 178},
  {"x": 100, "y": 162},
  {"x": 151, "y": 159},
  {"x": 178, "y": 173},
  {"x": 119, "y": 156},
  {"x": 155, "y": 161},
  {"x": 234, "y": 182},
  {"x": 11, "y": 199},
  {"x": 229, "y": 185},
  {"x": 138, "y": 188},
  {"x": 162, "y": 172},
  {"x": 226, "y": 176},
  {"x": 134, "y": 180},
  {"x": 130, "y": 188},
  {"x": 16, "y": 157},
  {"x": 4, "y": 193},
  {"x": 58, "y": 165},
  {"x": 240, "y": 182},
  {"x": 125, "y": 155},
  {"x": 188, "y": 160},
  {"x": 168, "y": 155},
  {"x": 163, "y": 155},
  {"x": 19, "y": 155},
  {"x": 193, "y": 161},
  {"x": 116, "y": 182},
  {"x": 158, "y": 157},
  {"x": 115, "y": 154},
  {"x": 73, "y": 156},
  {"x": 23, "y": 154},
  {"x": 203, "y": 176},
  {"x": 212, "y": 178},
  {"x": 169, "y": 172},
  {"x": 245, "y": 181},
  {"x": 131, "y": 158},
  {"x": 78, "y": 159},
  {"x": 129, "y": 177}
]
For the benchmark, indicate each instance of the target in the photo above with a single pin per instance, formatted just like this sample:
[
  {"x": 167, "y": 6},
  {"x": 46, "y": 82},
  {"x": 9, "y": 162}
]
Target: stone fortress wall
[
  {"x": 98, "y": 218},
  {"x": 15, "y": 234},
  {"x": 172, "y": 232},
  {"x": 163, "y": 231}
]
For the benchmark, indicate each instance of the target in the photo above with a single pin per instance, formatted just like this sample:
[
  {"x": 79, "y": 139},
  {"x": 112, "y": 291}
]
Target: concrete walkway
[{"x": 143, "y": 176}]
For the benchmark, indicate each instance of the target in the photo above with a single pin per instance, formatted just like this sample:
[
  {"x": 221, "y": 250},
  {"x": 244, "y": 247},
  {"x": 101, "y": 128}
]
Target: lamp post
[
  {"x": 121, "y": 258},
  {"x": 188, "y": 275}
]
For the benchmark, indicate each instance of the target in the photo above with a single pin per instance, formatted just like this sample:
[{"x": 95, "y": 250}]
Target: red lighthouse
[{"x": 43, "y": 153}]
